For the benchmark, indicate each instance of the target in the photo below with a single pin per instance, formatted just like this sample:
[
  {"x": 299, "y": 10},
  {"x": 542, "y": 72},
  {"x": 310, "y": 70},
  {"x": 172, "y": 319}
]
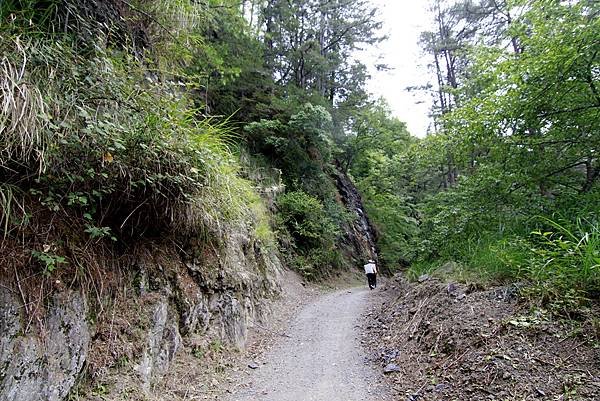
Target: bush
[
  {"x": 304, "y": 217},
  {"x": 318, "y": 263},
  {"x": 299, "y": 145},
  {"x": 558, "y": 259},
  {"x": 90, "y": 134},
  {"x": 313, "y": 234}
]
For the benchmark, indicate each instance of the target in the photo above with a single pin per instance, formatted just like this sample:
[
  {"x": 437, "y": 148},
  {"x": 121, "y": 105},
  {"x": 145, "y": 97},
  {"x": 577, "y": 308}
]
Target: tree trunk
[{"x": 592, "y": 174}]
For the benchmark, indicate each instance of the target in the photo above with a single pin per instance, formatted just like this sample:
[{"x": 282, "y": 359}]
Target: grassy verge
[{"x": 557, "y": 260}]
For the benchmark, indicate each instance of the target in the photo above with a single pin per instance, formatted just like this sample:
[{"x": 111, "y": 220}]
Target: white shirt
[{"x": 370, "y": 268}]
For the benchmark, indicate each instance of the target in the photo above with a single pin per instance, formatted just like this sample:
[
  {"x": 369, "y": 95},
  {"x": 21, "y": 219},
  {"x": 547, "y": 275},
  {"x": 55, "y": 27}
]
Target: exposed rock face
[
  {"x": 229, "y": 289},
  {"x": 360, "y": 235},
  {"x": 214, "y": 290},
  {"x": 163, "y": 341},
  {"x": 46, "y": 366}
]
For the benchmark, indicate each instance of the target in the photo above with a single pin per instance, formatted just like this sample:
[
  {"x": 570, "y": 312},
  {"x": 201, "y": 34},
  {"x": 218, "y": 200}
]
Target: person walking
[{"x": 371, "y": 272}]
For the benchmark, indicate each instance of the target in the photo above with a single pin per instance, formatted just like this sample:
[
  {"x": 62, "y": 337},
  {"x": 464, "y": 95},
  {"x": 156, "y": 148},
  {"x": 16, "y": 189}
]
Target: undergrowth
[
  {"x": 558, "y": 262},
  {"x": 312, "y": 233},
  {"x": 103, "y": 141}
]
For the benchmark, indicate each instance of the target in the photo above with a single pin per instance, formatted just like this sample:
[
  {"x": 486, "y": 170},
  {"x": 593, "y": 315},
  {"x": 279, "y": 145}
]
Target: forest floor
[{"x": 447, "y": 341}]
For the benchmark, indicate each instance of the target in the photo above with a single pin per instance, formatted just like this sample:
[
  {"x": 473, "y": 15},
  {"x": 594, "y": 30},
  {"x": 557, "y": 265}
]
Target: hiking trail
[{"x": 319, "y": 357}]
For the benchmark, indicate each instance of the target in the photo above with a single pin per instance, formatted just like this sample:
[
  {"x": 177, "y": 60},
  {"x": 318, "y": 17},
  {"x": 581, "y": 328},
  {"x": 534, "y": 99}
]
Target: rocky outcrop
[
  {"x": 359, "y": 236},
  {"x": 162, "y": 343},
  {"x": 229, "y": 288},
  {"x": 214, "y": 290},
  {"x": 42, "y": 366}
]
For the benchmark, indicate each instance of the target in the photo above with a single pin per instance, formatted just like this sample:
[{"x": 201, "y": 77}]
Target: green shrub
[
  {"x": 305, "y": 218},
  {"x": 299, "y": 145},
  {"x": 48, "y": 260},
  {"x": 318, "y": 263},
  {"x": 558, "y": 260},
  {"x": 313, "y": 233}
]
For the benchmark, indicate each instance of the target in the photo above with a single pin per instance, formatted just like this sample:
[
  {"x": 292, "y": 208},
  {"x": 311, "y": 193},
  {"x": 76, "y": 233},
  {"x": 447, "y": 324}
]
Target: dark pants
[{"x": 372, "y": 279}]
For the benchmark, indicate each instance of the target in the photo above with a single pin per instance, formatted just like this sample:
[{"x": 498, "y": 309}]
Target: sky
[{"x": 403, "y": 21}]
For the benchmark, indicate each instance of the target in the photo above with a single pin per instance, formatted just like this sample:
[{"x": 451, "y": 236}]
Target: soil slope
[{"x": 449, "y": 341}]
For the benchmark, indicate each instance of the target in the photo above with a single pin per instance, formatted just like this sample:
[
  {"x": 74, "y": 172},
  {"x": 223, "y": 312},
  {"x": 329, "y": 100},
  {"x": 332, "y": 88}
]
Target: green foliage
[
  {"x": 49, "y": 261},
  {"x": 540, "y": 104},
  {"x": 109, "y": 123},
  {"x": 566, "y": 257},
  {"x": 119, "y": 118},
  {"x": 103, "y": 148},
  {"x": 313, "y": 233},
  {"x": 37, "y": 11},
  {"x": 507, "y": 188},
  {"x": 300, "y": 145},
  {"x": 304, "y": 216},
  {"x": 99, "y": 232},
  {"x": 198, "y": 352},
  {"x": 392, "y": 216},
  {"x": 91, "y": 129},
  {"x": 373, "y": 128},
  {"x": 308, "y": 44},
  {"x": 374, "y": 155},
  {"x": 318, "y": 263}
]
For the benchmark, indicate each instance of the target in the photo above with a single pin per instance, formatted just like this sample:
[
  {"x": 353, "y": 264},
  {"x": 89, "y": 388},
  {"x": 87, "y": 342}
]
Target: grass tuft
[
  {"x": 12, "y": 209},
  {"x": 22, "y": 108}
]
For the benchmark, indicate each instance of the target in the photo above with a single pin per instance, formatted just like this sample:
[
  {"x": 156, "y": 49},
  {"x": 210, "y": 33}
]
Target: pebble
[{"x": 390, "y": 368}]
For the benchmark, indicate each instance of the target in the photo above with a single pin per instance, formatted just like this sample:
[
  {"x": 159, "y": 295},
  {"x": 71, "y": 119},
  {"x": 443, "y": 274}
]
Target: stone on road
[{"x": 322, "y": 360}]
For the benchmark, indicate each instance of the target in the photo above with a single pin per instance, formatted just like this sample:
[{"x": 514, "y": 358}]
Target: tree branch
[{"x": 551, "y": 174}]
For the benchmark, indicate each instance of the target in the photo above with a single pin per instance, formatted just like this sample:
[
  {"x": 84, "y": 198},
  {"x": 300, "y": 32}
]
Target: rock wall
[
  {"x": 214, "y": 290},
  {"x": 170, "y": 292},
  {"x": 43, "y": 366},
  {"x": 359, "y": 236}
]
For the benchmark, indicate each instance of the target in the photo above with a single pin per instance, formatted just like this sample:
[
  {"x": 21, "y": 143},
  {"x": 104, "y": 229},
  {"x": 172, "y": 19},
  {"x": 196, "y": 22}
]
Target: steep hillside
[
  {"x": 143, "y": 213},
  {"x": 140, "y": 320}
]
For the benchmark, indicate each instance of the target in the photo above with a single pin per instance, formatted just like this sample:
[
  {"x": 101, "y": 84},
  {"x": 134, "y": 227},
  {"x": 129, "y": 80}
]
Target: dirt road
[{"x": 321, "y": 360}]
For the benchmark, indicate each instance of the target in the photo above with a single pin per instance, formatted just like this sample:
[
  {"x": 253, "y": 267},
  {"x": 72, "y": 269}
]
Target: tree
[
  {"x": 542, "y": 102},
  {"x": 309, "y": 43},
  {"x": 520, "y": 124}
]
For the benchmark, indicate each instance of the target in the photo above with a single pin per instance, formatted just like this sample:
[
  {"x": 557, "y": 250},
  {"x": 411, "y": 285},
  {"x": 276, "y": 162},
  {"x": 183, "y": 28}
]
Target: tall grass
[
  {"x": 558, "y": 257},
  {"x": 22, "y": 107},
  {"x": 12, "y": 209},
  {"x": 566, "y": 255}
]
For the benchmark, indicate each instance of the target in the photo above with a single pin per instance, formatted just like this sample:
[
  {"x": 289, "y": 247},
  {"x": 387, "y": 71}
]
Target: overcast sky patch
[{"x": 403, "y": 22}]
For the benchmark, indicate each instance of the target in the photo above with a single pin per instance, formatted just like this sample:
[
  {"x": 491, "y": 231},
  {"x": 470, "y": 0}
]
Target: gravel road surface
[{"x": 320, "y": 359}]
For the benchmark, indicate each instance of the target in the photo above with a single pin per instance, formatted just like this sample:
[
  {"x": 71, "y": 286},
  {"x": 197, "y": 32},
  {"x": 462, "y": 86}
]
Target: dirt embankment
[{"x": 445, "y": 341}]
